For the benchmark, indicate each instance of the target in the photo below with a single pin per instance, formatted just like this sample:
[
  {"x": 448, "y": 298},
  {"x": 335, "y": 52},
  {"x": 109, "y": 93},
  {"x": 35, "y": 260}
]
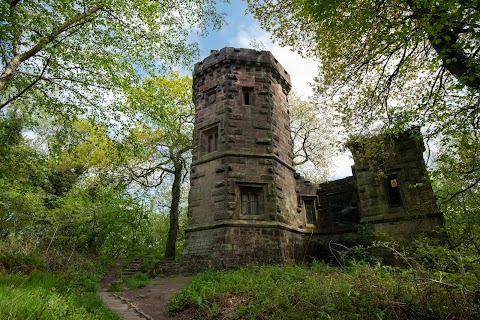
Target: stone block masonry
[
  {"x": 243, "y": 198},
  {"x": 246, "y": 203}
]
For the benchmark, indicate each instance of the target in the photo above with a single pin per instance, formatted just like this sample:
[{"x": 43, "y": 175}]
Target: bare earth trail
[{"x": 145, "y": 303}]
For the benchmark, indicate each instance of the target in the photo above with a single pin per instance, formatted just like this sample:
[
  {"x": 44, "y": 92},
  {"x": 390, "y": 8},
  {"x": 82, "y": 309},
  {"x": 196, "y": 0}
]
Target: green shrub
[
  {"x": 18, "y": 262},
  {"x": 320, "y": 291},
  {"x": 42, "y": 295},
  {"x": 138, "y": 280}
]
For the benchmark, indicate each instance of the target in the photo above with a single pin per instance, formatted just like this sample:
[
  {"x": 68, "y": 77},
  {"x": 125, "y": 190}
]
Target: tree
[
  {"x": 313, "y": 138},
  {"x": 22, "y": 170},
  {"x": 390, "y": 65},
  {"x": 70, "y": 55},
  {"x": 162, "y": 139},
  {"x": 67, "y": 196}
]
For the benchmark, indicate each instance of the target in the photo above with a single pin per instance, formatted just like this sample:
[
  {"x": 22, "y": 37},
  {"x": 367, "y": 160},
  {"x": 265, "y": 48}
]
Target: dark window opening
[
  {"x": 393, "y": 190},
  {"x": 247, "y": 96},
  {"x": 210, "y": 139},
  {"x": 212, "y": 142},
  {"x": 310, "y": 211},
  {"x": 251, "y": 200}
]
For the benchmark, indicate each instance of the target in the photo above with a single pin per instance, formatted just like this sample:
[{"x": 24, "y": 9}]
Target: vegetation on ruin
[
  {"x": 355, "y": 290},
  {"x": 95, "y": 133},
  {"x": 387, "y": 66}
]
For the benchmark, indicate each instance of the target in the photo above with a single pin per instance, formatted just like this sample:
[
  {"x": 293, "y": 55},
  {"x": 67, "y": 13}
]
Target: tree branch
[
  {"x": 37, "y": 79},
  {"x": 4, "y": 54},
  {"x": 18, "y": 58}
]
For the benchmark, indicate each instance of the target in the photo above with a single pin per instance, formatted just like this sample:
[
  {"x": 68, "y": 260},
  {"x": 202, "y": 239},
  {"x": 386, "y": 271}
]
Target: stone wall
[
  {"x": 402, "y": 201},
  {"x": 247, "y": 204},
  {"x": 242, "y": 148},
  {"x": 339, "y": 204}
]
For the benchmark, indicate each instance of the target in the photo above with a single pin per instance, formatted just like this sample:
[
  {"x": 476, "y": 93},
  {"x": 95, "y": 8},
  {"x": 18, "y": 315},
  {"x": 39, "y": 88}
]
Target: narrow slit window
[
  {"x": 310, "y": 213},
  {"x": 248, "y": 96},
  {"x": 393, "y": 190},
  {"x": 210, "y": 139}
]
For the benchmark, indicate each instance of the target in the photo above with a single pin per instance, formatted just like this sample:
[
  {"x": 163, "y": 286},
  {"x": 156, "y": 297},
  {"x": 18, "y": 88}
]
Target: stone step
[{"x": 133, "y": 267}]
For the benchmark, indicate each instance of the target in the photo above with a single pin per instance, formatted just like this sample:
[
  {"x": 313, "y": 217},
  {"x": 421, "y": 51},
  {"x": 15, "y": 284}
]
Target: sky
[{"x": 239, "y": 32}]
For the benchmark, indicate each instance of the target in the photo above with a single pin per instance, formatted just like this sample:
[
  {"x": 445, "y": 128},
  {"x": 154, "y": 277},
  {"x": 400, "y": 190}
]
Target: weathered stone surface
[
  {"x": 266, "y": 141},
  {"x": 246, "y": 203}
]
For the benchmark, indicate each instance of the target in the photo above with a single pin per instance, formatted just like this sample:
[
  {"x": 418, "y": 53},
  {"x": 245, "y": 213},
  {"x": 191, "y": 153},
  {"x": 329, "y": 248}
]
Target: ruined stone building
[{"x": 247, "y": 203}]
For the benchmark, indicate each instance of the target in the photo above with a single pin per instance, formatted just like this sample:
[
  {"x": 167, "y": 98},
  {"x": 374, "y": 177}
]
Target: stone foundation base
[{"x": 231, "y": 245}]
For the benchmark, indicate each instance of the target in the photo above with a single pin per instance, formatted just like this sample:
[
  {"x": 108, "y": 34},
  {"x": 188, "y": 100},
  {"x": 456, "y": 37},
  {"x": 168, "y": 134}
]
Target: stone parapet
[{"x": 234, "y": 57}]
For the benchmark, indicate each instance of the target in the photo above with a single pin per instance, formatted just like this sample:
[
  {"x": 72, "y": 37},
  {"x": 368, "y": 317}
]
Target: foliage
[
  {"x": 67, "y": 196},
  {"x": 391, "y": 65},
  {"x": 162, "y": 128},
  {"x": 67, "y": 56},
  {"x": 373, "y": 53},
  {"x": 313, "y": 138},
  {"x": 138, "y": 280},
  {"x": 161, "y": 140},
  {"x": 325, "y": 292},
  {"x": 20, "y": 195},
  {"x": 18, "y": 262},
  {"x": 42, "y": 295}
]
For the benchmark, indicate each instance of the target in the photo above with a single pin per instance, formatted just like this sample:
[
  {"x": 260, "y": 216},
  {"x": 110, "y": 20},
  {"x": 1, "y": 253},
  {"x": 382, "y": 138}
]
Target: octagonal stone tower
[{"x": 242, "y": 202}]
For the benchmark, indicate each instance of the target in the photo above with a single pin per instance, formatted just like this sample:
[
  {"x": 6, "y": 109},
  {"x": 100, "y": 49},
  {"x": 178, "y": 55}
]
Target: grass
[
  {"x": 320, "y": 291},
  {"x": 138, "y": 280},
  {"x": 42, "y": 295}
]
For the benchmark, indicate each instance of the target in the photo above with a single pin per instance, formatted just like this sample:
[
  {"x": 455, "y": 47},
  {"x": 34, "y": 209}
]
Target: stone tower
[
  {"x": 247, "y": 204},
  {"x": 242, "y": 202},
  {"x": 402, "y": 203}
]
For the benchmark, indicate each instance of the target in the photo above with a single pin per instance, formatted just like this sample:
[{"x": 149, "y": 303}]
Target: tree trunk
[{"x": 173, "y": 230}]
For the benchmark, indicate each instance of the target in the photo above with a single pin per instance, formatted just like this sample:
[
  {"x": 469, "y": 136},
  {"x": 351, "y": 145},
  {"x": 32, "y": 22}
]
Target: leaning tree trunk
[{"x": 173, "y": 230}]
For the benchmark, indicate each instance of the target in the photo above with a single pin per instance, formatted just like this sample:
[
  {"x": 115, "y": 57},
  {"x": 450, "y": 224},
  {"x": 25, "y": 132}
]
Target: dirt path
[
  {"x": 152, "y": 299},
  {"x": 121, "y": 307},
  {"x": 145, "y": 303}
]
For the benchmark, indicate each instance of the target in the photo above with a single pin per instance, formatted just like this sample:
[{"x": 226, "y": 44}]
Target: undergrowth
[
  {"x": 51, "y": 285},
  {"x": 42, "y": 295},
  {"x": 320, "y": 291},
  {"x": 138, "y": 280}
]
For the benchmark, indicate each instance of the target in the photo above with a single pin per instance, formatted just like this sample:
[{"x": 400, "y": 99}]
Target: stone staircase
[{"x": 133, "y": 267}]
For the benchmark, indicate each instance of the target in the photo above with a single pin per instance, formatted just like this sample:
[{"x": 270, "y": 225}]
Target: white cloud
[{"x": 301, "y": 70}]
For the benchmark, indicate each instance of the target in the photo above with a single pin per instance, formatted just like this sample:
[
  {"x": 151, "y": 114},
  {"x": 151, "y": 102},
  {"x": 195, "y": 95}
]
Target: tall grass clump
[
  {"x": 138, "y": 280},
  {"x": 320, "y": 291},
  {"x": 42, "y": 295}
]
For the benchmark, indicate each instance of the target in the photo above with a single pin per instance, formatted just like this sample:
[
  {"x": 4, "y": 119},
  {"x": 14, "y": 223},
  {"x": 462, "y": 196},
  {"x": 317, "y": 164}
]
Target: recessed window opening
[
  {"x": 393, "y": 191},
  {"x": 310, "y": 211},
  {"x": 210, "y": 139},
  {"x": 251, "y": 200},
  {"x": 248, "y": 96},
  {"x": 212, "y": 142}
]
